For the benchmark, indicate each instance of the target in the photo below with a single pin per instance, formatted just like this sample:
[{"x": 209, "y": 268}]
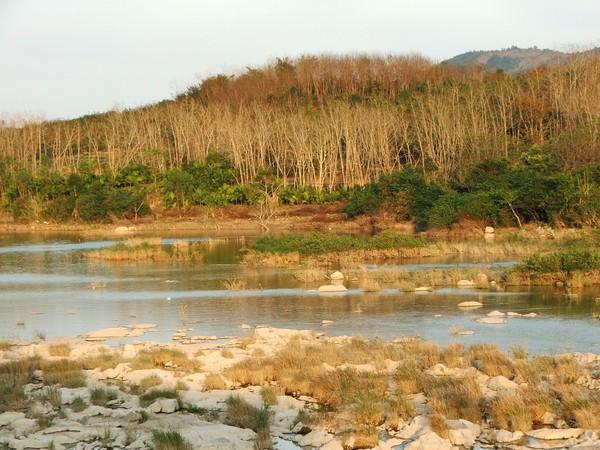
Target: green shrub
[
  {"x": 364, "y": 200},
  {"x": 320, "y": 243},
  {"x": 566, "y": 261}
]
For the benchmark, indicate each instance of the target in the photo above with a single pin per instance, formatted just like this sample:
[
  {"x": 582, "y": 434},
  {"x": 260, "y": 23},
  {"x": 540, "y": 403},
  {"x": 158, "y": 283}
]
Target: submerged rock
[
  {"x": 470, "y": 304},
  {"x": 332, "y": 288},
  {"x": 491, "y": 320},
  {"x": 465, "y": 284}
]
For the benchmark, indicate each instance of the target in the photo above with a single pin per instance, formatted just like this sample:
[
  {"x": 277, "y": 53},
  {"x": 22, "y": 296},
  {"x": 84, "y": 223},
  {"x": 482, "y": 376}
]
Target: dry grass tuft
[
  {"x": 453, "y": 398},
  {"x": 510, "y": 412},
  {"x": 170, "y": 440},
  {"x": 269, "y": 395},
  {"x": 63, "y": 350},
  {"x": 150, "y": 381},
  {"x": 235, "y": 284},
  {"x": 214, "y": 382},
  {"x": 64, "y": 372},
  {"x": 164, "y": 358},
  {"x": 439, "y": 425},
  {"x": 490, "y": 360},
  {"x": 101, "y": 396}
]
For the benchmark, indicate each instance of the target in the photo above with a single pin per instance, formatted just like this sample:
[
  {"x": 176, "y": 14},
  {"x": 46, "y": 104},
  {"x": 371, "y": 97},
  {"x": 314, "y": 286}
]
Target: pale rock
[
  {"x": 68, "y": 395},
  {"x": 143, "y": 326},
  {"x": 470, "y": 304},
  {"x": 489, "y": 230},
  {"x": 35, "y": 442},
  {"x": 505, "y": 436},
  {"x": 552, "y": 434},
  {"x": 429, "y": 441},
  {"x": 22, "y": 427},
  {"x": 336, "y": 276},
  {"x": 424, "y": 289},
  {"x": 332, "y": 288},
  {"x": 465, "y": 283},
  {"x": 245, "y": 326},
  {"x": 500, "y": 383},
  {"x": 9, "y": 417},
  {"x": 462, "y": 432},
  {"x": 491, "y": 320},
  {"x": 513, "y": 314},
  {"x": 496, "y": 314},
  {"x": 332, "y": 445},
  {"x": 530, "y": 315},
  {"x": 316, "y": 438},
  {"x": 548, "y": 418},
  {"x": 164, "y": 405},
  {"x": 418, "y": 426},
  {"x": 326, "y": 322}
]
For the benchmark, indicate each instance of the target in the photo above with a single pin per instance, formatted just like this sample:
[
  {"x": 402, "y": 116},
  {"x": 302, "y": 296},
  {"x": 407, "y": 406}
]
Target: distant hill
[{"x": 512, "y": 59}]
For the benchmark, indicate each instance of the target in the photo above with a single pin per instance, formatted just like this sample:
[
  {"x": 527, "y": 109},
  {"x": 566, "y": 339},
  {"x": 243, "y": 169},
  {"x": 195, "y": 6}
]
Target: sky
[{"x": 66, "y": 58}]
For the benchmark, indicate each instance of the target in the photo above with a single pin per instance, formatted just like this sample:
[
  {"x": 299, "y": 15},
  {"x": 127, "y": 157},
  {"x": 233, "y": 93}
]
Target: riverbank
[{"x": 295, "y": 386}]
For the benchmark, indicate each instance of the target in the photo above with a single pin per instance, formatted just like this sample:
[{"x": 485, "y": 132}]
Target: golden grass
[
  {"x": 63, "y": 350},
  {"x": 453, "y": 398},
  {"x": 269, "y": 395},
  {"x": 101, "y": 396},
  {"x": 214, "y": 381},
  {"x": 5, "y": 345},
  {"x": 510, "y": 412},
  {"x": 103, "y": 360},
  {"x": 490, "y": 360},
  {"x": 150, "y": 381},
  {"x": 439, "y": 425},
  {"x": 64, "y": 372},
  {"x": 235, "y": 284},
  {"x": 581, "y": 407},
  {"x": 226, "y": 353},
  {"x": 164, "y": 358},
  {"x": 150, "y": 250}
]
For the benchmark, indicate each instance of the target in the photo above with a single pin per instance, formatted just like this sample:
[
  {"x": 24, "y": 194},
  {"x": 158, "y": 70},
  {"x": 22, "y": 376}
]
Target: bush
[
  {"x": 566, "y": 261},
  {"x": 364, "y": 200},
  {"x": 320, "y": 243}
]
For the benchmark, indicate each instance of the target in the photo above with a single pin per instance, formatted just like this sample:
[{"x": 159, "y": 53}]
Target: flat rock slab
[
  {"x": 552, "y": 434},
  {"x": 491, "y": 320},
  {"x": 471, "y": 304}
]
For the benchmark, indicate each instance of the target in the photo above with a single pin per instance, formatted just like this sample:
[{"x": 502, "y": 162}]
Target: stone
[
  {"x": 548, "y": 418},
  {"x": 326, "y": 322},
  {"x": 552, "y": 434},
  {"x": 424, "y": 289},
  {"x": 513, "y": 314},
  {"x": 505, "y": 436},
  {"x": 465, "y": 333},
  {"x": 500, "y": 383},
  {"x": 9, "y": 417},
  {"x": 331, "y": 288},
  {"x": 465, "y": 284},
  {"x": 489, "y": 230},
  {"x": 245, "y": 326},
  {"x": 107, "y": 333},
  {"x": 23, "y": 427},
  {"x": 143, "y": 326},
  {"x": 332, "y": 445},
  {"x": 462, "y": 432},
  {"x": 530, "y": 315},
  {"x": 429, "y": 441},
  {"x": 418, "y": 426},
  {"x": 491, "y": 320},
  {"x": 164, "y": 405},
  {"x": 496, "y": 314},
  {"x": 470, "y": 304},
  {"x": 337, "y": 275},
  {"x": 316, "y": 438}
]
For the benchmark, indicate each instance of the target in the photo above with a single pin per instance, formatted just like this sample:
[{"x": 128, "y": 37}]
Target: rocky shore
[{"x": 293, "y": 389}]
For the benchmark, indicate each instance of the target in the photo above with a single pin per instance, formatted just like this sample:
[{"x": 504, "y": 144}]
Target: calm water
[{"x": 46, "y": 283}]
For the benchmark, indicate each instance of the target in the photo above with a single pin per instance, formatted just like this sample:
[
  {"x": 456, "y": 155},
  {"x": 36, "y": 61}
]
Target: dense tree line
[{"x": 325, "y": 128}]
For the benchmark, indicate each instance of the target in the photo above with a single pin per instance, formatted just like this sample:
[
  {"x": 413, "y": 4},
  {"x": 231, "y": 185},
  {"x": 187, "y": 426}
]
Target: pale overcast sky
[{"x": 63, "y": 58}]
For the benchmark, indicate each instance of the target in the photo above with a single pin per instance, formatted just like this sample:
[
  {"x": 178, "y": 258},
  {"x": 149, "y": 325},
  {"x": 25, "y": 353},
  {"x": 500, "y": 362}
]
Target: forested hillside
[{"x": 316, "y": 124}]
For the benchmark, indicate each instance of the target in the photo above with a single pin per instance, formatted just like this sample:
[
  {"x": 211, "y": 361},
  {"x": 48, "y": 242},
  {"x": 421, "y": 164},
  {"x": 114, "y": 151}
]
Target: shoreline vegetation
[
  {"x": 298, "y": 386},
  {"x": 151, "y": 250},
  {"x": 427, "y": 143}
]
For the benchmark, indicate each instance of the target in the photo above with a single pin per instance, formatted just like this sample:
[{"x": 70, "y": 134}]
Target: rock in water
[
  {"x": 471, "y": 304},
  {"x": 332, "y": 288}
]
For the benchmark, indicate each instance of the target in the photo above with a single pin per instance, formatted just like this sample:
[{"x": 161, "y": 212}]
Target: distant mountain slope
[{"x": 512, "y": 59}]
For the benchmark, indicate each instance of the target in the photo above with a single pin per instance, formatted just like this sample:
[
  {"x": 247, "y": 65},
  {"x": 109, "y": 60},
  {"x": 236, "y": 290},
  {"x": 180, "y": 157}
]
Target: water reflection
[{"x": 46, "y": 284}]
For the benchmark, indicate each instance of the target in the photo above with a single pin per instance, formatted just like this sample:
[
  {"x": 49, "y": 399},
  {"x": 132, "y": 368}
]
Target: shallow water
[{"x": 45, "y": 282}]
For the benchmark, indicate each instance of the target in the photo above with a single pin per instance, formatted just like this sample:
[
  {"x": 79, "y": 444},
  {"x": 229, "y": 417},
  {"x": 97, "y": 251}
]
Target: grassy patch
[
  {"x": 101, "y": 396},
  {"x": 214, "y": 381},
  {"x": 13, "y": 375},
  {"x": 64, "y": 372},
  {"x": 150, "y": 382},
  {"x": 564, "y": 261},
  {"x": 453, "y": 398},
  {"x": 320, "y": 243},
  {"x": 5, "y": 345},
  {"x": 164, "y": 358},
  {"x": 170, "y": 440},
  {"x": 78, "y": 404},
  {"x": 103, "y": 360},
  {"x": 243, "y": 415},
  {"x": 151, "y": 396},
  {"x": 269, "y": 395},
  {"x": 510, "y": 412},
  {"x": 63, "y": 350}
]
